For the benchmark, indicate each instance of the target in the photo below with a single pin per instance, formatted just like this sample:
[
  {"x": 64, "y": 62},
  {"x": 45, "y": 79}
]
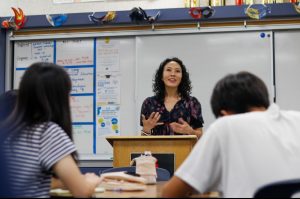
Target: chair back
[
  {"x": 282, "y": 189},
  {"x": 95, "y": 170},
  {"x": 162, "y": 174}
]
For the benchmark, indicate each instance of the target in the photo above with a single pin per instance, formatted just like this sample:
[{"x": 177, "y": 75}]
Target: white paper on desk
[
  {"x": 108, "y": 55},
  {"x": 108, "y": 89},
  {"x": 61, "y": 192}
]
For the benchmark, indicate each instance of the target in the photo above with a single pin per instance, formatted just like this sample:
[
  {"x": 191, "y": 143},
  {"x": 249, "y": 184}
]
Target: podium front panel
[{"x": 123, "y": 148}]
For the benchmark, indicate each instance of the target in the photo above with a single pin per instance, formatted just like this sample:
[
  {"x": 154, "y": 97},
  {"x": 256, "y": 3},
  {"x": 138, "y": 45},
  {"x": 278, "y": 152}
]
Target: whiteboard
[
  {"x": 80, "y": 60},
  {"x": 98, "y": 65},
  {"x": 208, "y": 57},
  {"x": 287, "y": 69}
]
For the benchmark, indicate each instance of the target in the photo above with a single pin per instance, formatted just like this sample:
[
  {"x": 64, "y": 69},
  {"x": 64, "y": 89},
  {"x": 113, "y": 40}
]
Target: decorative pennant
[
  {"x": 257, "y": 11},
  {"x": 152, "y": 19},
  {"x": 297, "y": 7},
  {"x": 198, "y": 13},
  {"x": 57, "y": 20},
  {"x": 16, "y": 22},
  {"x": 108, "y": 17},
  {"x": 138, "y": 15}
]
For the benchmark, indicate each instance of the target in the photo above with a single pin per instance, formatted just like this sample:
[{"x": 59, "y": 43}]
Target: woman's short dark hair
[
  {"x": 43, "y": 96},
  {"x": 184, "y": 88},
  {"x": 239, "y": 92}
]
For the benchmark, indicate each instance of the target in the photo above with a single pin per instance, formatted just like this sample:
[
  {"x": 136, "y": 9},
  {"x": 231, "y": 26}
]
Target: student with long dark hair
[
  {"x": 172, "y": 110},
  {"x": 39, "y": 136}
]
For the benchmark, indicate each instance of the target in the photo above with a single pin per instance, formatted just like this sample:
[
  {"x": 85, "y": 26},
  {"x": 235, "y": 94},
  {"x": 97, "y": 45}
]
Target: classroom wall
[
  {"x": 39, "y": 7},
  {"x": 2, "y": 60}
]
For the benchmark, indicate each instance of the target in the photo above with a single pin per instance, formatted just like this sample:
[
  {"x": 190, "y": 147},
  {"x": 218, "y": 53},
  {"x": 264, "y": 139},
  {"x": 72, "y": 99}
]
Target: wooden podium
[{"x": 124, "y": 146}]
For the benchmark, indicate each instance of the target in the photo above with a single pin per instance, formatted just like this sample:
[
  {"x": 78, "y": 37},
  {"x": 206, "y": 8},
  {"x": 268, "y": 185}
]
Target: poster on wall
[
  {"x": 108, "y": 89},
  {"x": 108, "y": 119},
  {"x": 108, "y": 56}
]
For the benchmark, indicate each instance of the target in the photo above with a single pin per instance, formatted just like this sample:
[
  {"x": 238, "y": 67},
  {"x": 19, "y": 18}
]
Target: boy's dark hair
[
  {"x": 239, "y": 92},
  {"x": 184, "y": 88}
]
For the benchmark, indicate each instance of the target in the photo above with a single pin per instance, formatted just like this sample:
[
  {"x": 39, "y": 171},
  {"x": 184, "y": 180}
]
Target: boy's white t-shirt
[{"x": 241, "y": 153}]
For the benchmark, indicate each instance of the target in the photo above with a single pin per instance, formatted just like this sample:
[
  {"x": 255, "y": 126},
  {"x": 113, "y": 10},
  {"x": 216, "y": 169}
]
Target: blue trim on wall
[
  {"x": 80, "y": 66},
  {"x": 82, "y": 94},
  {"x": 2, "y": 59},
  {"x": 94, "y": 100},
  {"x": 83, "y": 123},
  {"x": 54, "y": 52},
  {"x": 21, "y": 68},
  {"x": 173, "y": 15}
]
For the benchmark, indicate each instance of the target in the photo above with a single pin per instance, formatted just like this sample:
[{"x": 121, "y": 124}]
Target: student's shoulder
[
  {"x": 225, "y": 124},
  {"x": 49, "y": 128},
  {"x": 291, "y": 112}
]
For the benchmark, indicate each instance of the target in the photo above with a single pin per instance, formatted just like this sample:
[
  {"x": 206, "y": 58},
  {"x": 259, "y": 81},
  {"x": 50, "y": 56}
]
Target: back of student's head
[
  {"x": 43, "y": 97},
  {"x": 238, "y": 93}
]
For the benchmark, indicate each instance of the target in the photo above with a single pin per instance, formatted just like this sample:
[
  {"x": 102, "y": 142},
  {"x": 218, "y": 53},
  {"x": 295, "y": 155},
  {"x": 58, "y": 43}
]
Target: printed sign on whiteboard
[
  {"x": 82, "y": 108},
  {"x": 75, "y": 52},
  {"x": 82, "y": 80},
  {"x": 108, "y": 89},
  {"x": 108, "y": 55},
  {"x": 28, "y": 52},
  {"x": 83, "y": 139},
  {"x": 108, "y": 120}
]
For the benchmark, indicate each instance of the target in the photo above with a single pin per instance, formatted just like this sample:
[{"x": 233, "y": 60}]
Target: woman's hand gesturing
[{"x": 151, "y": 122}]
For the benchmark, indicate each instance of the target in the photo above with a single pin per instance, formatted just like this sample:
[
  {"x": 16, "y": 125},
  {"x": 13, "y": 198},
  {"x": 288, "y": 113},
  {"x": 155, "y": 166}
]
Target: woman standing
[{"x": 171, "y": 110}]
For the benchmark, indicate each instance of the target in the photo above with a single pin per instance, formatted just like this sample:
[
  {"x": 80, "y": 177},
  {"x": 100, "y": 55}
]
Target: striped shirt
[{"x": 32, "y": 155}]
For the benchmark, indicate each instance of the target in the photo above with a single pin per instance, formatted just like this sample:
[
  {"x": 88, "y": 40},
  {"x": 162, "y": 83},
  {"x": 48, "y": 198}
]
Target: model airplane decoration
[
  {"x": 57, "y": 20},
  {"x": 17, "y": 22}
]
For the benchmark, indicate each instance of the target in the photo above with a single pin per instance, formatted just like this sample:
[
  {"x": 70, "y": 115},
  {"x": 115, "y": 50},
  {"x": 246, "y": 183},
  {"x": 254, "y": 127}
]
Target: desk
[{"x": 152, "y": 191}]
